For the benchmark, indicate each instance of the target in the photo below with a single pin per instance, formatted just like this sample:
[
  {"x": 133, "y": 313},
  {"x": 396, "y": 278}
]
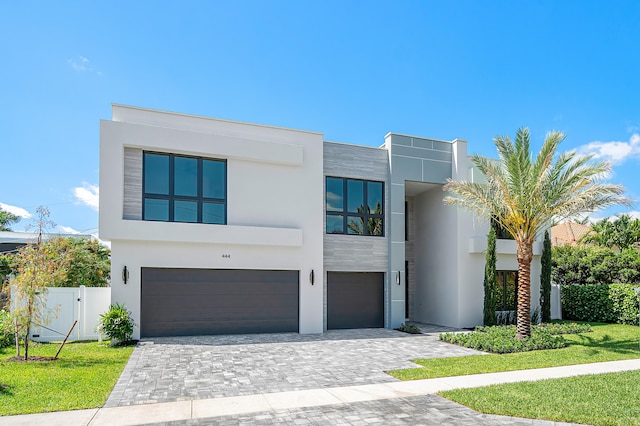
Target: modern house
[{"x": 221, "y": 227}]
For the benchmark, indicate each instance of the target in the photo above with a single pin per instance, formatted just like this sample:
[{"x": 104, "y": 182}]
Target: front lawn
[
  {"x": 82, "y": 377},
  {"x": 607, "y": 342},
  {"x": 603, "y": 400}
]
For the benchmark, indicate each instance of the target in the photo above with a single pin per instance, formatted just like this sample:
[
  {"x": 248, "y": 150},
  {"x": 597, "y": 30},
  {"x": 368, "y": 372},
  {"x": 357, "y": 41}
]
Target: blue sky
[{"x": 354, "y": 70}]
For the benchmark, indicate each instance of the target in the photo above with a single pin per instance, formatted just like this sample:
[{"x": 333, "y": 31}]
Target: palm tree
[
  {"x": 524, "y": 195},
  {"x": 622, "y": 233},
  {"x": 6, "y": 219}
]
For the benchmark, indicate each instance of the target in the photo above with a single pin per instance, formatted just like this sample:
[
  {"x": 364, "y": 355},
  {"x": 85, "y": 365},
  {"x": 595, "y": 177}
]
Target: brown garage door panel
[
  {"x": 199, "y": 301},
  {"x": 355, "y": 300}
]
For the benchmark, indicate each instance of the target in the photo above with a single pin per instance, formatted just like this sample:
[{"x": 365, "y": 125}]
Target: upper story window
[
  {"x": 178, "y": 188},
  {"x": 354, "y": 206}
]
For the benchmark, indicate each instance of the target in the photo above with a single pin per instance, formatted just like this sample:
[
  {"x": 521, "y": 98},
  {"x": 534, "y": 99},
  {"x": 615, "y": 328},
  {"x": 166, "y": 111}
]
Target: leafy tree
[
  {"x": 490, "y": 280},
  {"x": 5, "y": 271},
  {"x": 36, "y": 266},
  {"x": 621, "y": 233},
  {"x": 524, "y": 195},
  {"x": 89, "y": 262},
  {"x": 6, "y": 219},
  {"x": 545, "y": 279},
  {"x": 580, "y": 265}
]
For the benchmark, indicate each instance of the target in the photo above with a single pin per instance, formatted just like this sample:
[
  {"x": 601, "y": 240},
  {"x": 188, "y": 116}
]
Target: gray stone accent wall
[
  {"x": 132, "y": 208},
  {"x": 355, "y": 253},
  {"x": 409, "y": 253}
]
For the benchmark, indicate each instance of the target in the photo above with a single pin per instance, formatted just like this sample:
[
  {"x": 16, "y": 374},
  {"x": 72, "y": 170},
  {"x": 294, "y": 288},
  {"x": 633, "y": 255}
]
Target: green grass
[
  {"x": 607, "y": 399},
  {"x": 82, "y": 377},
  {"x": 607, "y": 342}
]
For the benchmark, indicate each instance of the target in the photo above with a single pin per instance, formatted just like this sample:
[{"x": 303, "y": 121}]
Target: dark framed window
[
  {"x": 178, "y": 188},
  {"x": 506, "y": 290},
  {"x": 501, "y": 233},
  {"x": 354, "y": 206}
]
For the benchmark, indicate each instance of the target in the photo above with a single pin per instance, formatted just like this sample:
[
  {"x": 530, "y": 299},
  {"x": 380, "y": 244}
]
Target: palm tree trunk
[{"x": 524, "y": 255}]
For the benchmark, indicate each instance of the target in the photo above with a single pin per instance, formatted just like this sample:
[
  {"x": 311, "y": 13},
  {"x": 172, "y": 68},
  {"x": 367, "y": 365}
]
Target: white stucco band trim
[
  {"x": 479, "y": 245},
  {"x": 141, "y": 230},
  {"x": 229, "y": 147}
]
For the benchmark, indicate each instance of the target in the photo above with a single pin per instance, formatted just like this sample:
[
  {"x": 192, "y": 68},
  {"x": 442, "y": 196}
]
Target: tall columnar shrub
[
  {"x": 601, "y": 303},
  {"x": 490, "y": 280},
  {"x": 545, "y": 279}
]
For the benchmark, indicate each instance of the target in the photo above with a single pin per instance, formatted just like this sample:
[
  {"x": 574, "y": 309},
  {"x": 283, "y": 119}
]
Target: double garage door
[{"x": 185, "y": 302}]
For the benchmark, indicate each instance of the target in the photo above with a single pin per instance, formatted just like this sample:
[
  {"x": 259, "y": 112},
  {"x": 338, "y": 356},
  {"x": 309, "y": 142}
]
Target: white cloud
[
  {"x": 18, "y": 211},
  {"x": 68, "y": 230},
  {"x": 635, "y": 214},
  {"x": 88, "y": 194},
  {"x": 616, "y": 151},
  {"x": 82, "y": 64}
]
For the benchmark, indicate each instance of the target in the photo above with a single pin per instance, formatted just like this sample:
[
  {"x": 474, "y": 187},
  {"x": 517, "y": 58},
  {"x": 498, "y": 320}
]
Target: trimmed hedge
[
  {"x": 601, "y": 303},
  {"x": 594, "y": 265}
]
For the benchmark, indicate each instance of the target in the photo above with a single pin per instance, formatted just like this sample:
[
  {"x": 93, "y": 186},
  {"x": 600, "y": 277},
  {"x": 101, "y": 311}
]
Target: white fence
[
  {"x": 556, "y": 304},
  {"x": 82, "y": 304}
]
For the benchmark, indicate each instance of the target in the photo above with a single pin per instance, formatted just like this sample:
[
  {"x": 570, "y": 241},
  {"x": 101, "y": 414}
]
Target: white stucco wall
[
  {"x": 450, "y": 248},
  {"x": 436, "y": 263},
  {"x": 274, "y": 203}
]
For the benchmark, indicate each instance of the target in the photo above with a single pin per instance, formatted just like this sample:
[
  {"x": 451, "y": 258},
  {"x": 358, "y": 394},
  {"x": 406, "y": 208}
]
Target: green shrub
[
  {"x": 566, "y": 327},
  {"x": 7, "y": 337},
  {"x": 409, "y": 328},
  {"x": 545, "y": 279},
  {"x": 582, "y": 265},
  {"x": 116, "y": 323},
  {"x": 602, "y": 303},
  {"x": 490, "y": 280},
  {"x": 502, "y": 339}
]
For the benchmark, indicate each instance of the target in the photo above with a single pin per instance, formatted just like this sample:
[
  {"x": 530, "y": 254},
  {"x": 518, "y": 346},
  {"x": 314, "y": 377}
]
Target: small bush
[
  {"x": 116, "y": 323},
  {"x": 502, "y": 339},
  {"x": 556, "y": 328},
  {"x": 602, "y": 303},
  {"x": 409, "y": 328},
  {"x": 7, "y": 337}
]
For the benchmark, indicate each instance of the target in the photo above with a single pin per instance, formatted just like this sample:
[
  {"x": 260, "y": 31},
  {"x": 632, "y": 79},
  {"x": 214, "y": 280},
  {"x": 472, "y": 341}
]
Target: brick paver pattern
[{"x": 200, "y": 367}]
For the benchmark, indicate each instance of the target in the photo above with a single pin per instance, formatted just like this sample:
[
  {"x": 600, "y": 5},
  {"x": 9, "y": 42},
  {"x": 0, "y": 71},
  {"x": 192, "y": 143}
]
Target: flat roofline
[
  {"x": 353, "y": 144},
  {"x": 417, "y": 137},
  {"x": 202, "y": 117},
  {"x": 15, "y": 237}
]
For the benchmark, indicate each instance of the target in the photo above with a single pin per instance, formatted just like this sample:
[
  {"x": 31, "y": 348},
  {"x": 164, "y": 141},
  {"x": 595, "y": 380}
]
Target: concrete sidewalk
[{"x": 270, "y": 402}]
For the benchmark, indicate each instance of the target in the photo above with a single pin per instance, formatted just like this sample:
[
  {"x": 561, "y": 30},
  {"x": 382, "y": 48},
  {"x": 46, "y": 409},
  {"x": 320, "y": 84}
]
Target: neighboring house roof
[
  {"x": 10, "y": 241},
  {"x": 568, "y": 233}
]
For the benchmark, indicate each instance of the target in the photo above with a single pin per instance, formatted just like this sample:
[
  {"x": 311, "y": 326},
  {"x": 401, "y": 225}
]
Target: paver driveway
[
  {"x": 179, "y": 368},
  {"x": 428, "y": 410}
]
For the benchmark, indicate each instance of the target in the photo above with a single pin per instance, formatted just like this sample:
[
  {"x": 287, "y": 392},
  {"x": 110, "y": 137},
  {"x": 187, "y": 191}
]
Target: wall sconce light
[
  {"x": 125, "y": 274},
  {"x": 311, "y": 277},
  {"x": 398, "y": 278}
]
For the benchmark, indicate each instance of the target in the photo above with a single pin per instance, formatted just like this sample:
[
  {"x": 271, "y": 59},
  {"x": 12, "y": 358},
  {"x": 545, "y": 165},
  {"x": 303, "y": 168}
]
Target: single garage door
[
  {"x": 355, "y": 300},
  {"x": 186, "y": 302}
]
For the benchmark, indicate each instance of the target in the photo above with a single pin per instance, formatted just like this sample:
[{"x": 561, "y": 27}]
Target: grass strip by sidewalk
[
  {"x": 602, "y": 400},
  {"x": 607, "y": 342},
  {"x": 82, "y": 377}
]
